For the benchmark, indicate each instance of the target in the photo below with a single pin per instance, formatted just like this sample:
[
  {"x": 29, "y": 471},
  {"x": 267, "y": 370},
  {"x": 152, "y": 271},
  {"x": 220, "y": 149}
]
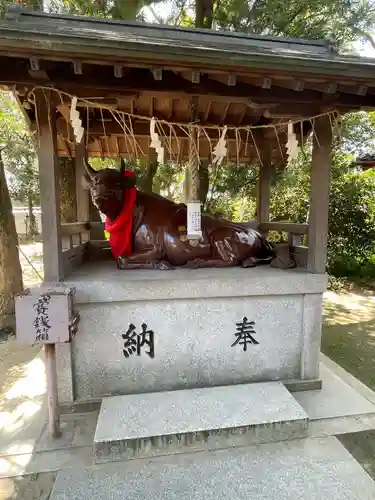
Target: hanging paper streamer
[
  {"x": 194, "y": 229},
  {"x": 155, "y": 142},
  {"x": 220, "y": 150},
  {"x": 292, "y": 144},
  {"x": 76, "y": 121}
]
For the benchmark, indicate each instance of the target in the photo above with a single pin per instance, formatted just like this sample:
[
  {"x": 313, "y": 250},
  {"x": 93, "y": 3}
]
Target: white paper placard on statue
[
  {"x": 194, "y": 226},
  {"x": 46, "y": 316}
]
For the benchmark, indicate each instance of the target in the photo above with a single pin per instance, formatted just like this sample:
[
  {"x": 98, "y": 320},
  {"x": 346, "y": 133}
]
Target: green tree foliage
[
  {"x": 338, "y": 20},
  {"x": 351, "y": 249},
  {"x": 31, "y": 4},
  {"x": 10, "y": 268},
  {"x": 358, "y": 133},
  {"x": 112, "y": 9},
  {"x": 19, "y": 157},
  {"x": 351, "y": 240}
]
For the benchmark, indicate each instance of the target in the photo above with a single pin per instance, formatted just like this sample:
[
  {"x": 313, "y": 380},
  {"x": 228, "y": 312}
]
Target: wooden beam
[
  {"x": 49, "y": 188},
  {"x": 319, "y": 196},
  {"x": 99, "y": 140},
  {"x": 225, "y": 113},
  {"x": 241, "y": 116},
  {"x": 170, "y": 110},
  {"x": 73, "y": 228},
  {"x": 207, "y": 111},
  {"x": 286, "y": 227},
  {"x": 82, "y": 194},
  {"x": 142, "y": 80}
]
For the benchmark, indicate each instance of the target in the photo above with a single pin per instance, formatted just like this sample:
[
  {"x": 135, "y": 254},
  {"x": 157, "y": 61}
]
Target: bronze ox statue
[{"x": 158, "y": 224}]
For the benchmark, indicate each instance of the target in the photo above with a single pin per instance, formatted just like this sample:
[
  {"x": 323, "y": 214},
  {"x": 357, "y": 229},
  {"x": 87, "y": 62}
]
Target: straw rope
[{"x": 193, "y": 131}]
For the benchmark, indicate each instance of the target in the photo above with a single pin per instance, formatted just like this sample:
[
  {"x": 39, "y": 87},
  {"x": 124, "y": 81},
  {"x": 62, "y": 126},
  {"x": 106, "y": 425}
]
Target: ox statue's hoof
[
  {"x": 164, "y": 265},
  {"x": 121, "y": 263},
  {"x": 126, "y": 263},
  {"x": 194, "y": 264}
]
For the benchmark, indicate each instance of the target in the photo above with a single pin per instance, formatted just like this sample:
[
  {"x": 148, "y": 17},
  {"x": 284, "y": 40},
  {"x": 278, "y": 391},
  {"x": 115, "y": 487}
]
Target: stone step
[
  {"x": 144, "y": 425},
  {"x": 302, "y": 469}
]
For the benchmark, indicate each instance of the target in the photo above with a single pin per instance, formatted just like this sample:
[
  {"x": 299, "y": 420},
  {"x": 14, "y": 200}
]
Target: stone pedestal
[{"x": 201, "y": 338}]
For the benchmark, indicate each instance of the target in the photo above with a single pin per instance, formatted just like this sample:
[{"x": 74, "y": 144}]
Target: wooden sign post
[{"x": 47, "y": 316}]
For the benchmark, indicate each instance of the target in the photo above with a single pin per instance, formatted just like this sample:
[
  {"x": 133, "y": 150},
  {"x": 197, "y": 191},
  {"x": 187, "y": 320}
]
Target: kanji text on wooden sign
[{"x": 46, "y": 316}]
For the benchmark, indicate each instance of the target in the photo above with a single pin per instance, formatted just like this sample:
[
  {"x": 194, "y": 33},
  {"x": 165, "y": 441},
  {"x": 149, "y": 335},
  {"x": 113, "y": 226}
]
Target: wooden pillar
[
  {"x": 192, "y": 174},
  {"x": 49, "y": 187},
  {"x": 82, "y": 194},
  {"x": 193, "y": 168},
  {"x": 319, "y": 196},
  {"x": 264, "y": 183},
  {"x": 53, "y": 400}
]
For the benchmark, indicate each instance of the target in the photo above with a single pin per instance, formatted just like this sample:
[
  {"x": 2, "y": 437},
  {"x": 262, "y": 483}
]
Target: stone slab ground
[
  {"x": 37, "y": 459},
  {"x": 311, "y": 469}
]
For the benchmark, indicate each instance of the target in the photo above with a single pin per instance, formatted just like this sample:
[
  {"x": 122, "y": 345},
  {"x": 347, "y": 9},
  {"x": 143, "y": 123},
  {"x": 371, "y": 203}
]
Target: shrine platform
[{"x": 197, "y": 319}]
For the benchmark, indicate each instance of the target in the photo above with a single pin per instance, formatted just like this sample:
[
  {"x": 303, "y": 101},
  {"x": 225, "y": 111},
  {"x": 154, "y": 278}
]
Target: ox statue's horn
[
  {"x": 122, "y": 166},
  {"x": 89, "y": 170}
]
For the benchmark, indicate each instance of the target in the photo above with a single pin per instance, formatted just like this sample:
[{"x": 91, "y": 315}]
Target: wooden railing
[
  {"x": 76, "y": 243},
  {"x": 296, "y": 238},
  {"x": 75, "y": 238},
  {"x": 78, "y": 246}
]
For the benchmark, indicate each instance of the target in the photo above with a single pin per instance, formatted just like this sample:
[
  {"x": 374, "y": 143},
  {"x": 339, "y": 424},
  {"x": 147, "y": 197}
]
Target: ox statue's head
[{"x": 107, "y": 188}]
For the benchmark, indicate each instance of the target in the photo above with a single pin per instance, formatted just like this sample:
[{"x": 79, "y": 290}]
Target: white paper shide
[{"x": 76, "y": 121}]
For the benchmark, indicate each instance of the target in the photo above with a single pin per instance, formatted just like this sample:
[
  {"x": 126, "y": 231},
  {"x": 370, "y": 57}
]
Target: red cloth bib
[{"x": 120, "y": 230}]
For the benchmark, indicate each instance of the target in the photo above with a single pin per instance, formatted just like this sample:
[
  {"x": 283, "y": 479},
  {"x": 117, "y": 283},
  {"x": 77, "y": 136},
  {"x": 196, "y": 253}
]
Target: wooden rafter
[
  {"x": 207, "y": 111},
  {"x": 225, "y": 113}
]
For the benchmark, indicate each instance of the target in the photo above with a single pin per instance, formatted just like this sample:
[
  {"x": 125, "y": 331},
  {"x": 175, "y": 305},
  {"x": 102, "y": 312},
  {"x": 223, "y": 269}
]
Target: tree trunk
[
  {"x": 204, "y": 13},
  {"x": 152, "y": 168},
  {"x": 10, "y": 267},
  {"x": 68, "y": 201},
  {"x": 32, "y": 229}
]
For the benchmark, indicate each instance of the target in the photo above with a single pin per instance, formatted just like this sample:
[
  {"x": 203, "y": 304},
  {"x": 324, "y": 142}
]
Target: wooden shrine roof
[
  {"x": 154, "y": 70},
  {"x": 27, "y": 30}
]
